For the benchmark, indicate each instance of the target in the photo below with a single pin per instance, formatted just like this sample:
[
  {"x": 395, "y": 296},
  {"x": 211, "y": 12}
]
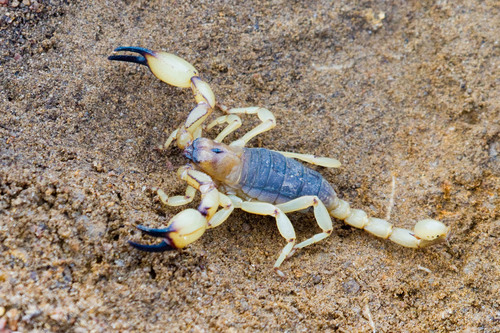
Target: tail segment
[{"x": 425, "y": 233}]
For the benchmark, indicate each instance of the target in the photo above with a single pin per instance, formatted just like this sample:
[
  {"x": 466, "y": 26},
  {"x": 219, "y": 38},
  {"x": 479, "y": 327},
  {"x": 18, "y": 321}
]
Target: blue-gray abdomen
[{"x": 271, "y": 177}]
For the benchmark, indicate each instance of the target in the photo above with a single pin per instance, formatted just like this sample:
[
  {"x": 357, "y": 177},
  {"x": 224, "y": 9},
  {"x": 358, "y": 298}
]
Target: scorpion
[{"x": 255, "y": 180}]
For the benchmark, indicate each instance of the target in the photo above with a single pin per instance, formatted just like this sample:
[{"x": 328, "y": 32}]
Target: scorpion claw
[
  {"x": 165, "y": 245},
  {"x": 141, "y": 60},
  {"x": 127, "y": 58},
  {"x": 161, "y": 247},
  {"x": 167, "y": 67},
  {"x": 154, "y": 232},
  {"x": 183, "y": 229}
]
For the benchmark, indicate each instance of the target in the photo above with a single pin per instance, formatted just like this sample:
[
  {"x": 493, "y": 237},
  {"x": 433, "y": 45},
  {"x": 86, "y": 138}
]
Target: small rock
[
  {"x": 17, "y": 201},
  {"x": 36, "y": 7},
  {"x": 98, "y": 166},
  {"x": 316, "y": 279},
  {"x": 351, "y": 286}
]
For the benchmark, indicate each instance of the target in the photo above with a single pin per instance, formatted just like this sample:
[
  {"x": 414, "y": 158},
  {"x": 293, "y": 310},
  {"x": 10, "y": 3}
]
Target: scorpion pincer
[{"x": 256, "y": 180}]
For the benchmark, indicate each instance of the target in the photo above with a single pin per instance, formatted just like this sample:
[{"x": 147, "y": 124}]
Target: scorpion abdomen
[{"x": 269, "y": 176}]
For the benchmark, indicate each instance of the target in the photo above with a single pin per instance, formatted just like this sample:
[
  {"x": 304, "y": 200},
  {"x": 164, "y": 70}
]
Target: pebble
[{"x": 351, "y": 286}]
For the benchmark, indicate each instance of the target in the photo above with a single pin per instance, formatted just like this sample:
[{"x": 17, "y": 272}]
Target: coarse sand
[{"x": 405, "y": 94}]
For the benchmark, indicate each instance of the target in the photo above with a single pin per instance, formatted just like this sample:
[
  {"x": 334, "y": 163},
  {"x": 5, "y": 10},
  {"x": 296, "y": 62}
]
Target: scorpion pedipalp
[
  {"x": 177, "y": 72},
  {"x": 183, "y": 229},
  {"x": 167, "y": 67}
]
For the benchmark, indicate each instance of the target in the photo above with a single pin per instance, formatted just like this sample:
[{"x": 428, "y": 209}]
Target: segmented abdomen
[{"x": 269, "y": 176}]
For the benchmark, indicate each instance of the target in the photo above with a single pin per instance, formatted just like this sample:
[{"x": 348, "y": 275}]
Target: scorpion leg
[
  {"x": 178, "y": 200},
  {"x": 268, "y": 121},
  {"x": 170, "y": 139},
  {"x": 233, "y": 121},
  {"x": 313, "y": 159},
  {"x": 320, "y": 213},
  {"x": 285, "y": 227},
  {"x": 223, "y": 214}
]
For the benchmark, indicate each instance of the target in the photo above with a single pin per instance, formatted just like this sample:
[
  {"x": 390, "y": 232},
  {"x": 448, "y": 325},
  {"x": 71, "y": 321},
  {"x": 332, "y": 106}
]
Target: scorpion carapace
[{"x": 256, "y": 180}]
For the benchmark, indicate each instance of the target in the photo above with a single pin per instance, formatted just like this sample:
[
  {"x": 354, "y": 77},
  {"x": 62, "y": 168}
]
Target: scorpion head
[{"x": 220, "y": 161}]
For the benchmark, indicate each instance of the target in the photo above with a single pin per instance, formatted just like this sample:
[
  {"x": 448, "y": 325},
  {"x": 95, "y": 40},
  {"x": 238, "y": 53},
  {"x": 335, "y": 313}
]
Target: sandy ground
[{"x": 405, "y": 95}]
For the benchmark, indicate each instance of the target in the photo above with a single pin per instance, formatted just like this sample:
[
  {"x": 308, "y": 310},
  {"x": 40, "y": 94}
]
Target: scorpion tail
[{"x": 425, "y": 233}]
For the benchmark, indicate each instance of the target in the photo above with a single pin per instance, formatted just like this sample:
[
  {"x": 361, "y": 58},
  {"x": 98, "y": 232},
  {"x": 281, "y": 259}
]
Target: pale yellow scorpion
[{"x": 256, "y": 180}]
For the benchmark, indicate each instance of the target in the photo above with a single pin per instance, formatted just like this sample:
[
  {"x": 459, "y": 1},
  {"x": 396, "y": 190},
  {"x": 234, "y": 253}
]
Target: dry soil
[{"x": 406, "y": 94}]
